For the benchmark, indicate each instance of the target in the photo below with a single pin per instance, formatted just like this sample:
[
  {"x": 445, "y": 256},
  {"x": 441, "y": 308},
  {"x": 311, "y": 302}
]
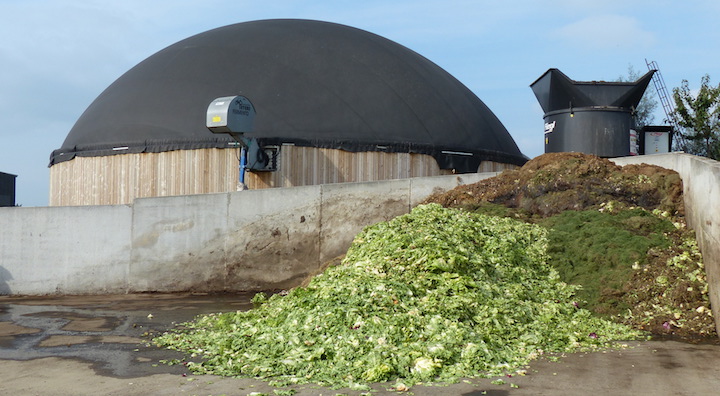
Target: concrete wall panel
[
  {"x": 70, "y": 250},
  {"x": 178, "y": 243},
  {"x": 272, "y": 241}
]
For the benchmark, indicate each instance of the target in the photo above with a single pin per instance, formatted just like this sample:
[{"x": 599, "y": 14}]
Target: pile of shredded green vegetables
[{"x": 431, "y": 296}]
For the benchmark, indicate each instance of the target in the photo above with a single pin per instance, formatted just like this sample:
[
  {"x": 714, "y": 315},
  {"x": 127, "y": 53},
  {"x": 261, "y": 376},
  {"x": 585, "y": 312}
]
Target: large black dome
[{"x": 313, "y": 83}]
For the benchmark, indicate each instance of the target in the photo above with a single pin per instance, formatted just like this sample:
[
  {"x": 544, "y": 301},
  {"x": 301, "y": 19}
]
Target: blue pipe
[{"x": 243, "y": 165}]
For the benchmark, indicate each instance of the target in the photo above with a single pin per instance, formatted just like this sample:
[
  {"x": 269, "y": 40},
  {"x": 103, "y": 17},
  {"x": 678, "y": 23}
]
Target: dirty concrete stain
[
  {"x": 280, "y": 259},
  {"x": 146, "y": 240},
  {"x": 183, "y": 226},
  {"x": 150, "y": 238}
]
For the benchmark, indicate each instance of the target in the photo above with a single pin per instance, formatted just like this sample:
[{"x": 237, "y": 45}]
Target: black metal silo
[
  {"x": 592, "y": 117},
  {"x": 7, "y": 189}
]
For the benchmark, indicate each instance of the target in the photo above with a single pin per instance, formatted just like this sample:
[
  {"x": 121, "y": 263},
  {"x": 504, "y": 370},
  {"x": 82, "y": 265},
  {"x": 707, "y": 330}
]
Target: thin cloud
[{"x": 606, "y": 32}]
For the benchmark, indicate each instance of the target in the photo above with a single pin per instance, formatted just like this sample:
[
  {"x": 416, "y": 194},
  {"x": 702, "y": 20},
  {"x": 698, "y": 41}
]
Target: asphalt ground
[{"x": 98, "y": 345}]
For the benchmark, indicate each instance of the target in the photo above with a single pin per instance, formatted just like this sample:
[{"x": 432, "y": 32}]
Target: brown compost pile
[{"x": 659, "y": 287}]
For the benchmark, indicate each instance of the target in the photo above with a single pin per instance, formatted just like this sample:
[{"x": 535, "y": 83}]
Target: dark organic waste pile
[
  {"x": 617, "y": 231},
  {"x": 433, "y": 295},
  {"x": 556, "y": 182}
]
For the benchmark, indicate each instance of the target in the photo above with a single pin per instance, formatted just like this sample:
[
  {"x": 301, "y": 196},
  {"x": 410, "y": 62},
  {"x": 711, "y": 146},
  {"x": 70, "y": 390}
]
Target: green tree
[{"x": 698, "y": 115}]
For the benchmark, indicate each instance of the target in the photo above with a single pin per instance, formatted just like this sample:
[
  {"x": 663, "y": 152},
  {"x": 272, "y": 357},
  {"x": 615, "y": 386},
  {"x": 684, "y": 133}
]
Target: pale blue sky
[{"x": 57, "y": 56}]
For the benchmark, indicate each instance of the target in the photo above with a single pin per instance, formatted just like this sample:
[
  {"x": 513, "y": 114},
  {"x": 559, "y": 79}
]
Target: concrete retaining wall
[
  {"x": 248, "y": 240},
  {"x": 256, "y": 239},
  {"x": 701, "y": 189}
]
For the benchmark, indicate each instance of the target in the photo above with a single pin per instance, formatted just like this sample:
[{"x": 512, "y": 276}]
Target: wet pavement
[
  {"x": 111, "y": 332},
  {"x": 77, "y": 345}
]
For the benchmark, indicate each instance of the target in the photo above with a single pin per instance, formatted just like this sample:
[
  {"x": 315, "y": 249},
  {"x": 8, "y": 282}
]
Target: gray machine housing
[
  {"x": 235, "y": 115},
  {"x": 230, "y": 114}
]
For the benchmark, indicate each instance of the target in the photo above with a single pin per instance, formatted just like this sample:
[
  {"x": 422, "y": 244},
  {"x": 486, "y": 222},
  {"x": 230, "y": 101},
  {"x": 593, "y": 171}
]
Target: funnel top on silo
[{"x": 556, "y": 91}]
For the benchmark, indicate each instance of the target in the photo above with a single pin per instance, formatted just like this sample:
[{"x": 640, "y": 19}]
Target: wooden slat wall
[
  {"x": 301, "y": 166},
  {"x": 489, "y": 166},
  {"x": 119, "y": 179}
]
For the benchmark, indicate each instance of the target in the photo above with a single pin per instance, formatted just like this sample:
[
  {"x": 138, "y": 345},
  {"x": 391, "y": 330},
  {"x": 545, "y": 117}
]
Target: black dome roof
[{"x": 312, "y": 83}]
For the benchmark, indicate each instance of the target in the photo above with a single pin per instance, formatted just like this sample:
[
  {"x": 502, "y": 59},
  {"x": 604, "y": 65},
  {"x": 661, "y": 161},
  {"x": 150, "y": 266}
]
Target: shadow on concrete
[{"x": 5, "y": 276}]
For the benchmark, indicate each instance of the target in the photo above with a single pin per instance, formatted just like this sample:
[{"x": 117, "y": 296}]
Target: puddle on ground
[
  {"x": 69, "y": 340},
  {"x": 9, "y": 330},
  {"x": 77, "y": 322},
  {"x": 112, "y": 332}
]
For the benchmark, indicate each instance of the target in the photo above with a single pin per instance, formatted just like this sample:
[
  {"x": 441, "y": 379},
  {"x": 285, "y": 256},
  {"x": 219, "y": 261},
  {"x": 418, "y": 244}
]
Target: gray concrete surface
[
  {"x": 95, "y": 345},
  {"x": 247, "y": 240}
]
